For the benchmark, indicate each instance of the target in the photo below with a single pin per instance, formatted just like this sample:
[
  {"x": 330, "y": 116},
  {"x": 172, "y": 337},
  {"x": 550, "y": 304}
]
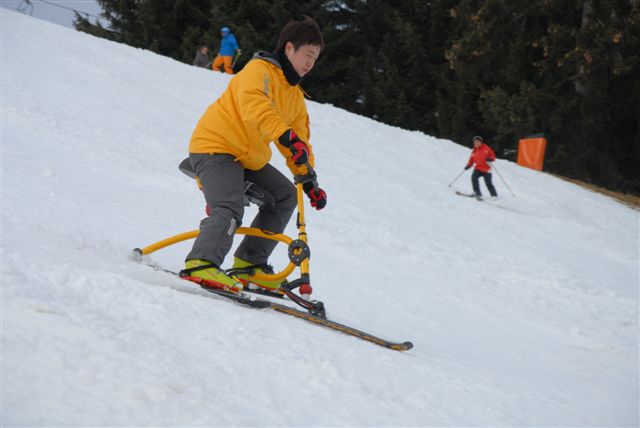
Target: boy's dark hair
[{"x": 302, "y": 32}]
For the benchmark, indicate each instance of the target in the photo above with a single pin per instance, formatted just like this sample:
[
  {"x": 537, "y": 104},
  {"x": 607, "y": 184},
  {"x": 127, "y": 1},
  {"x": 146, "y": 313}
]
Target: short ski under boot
[{"x": 208, "y": 274}]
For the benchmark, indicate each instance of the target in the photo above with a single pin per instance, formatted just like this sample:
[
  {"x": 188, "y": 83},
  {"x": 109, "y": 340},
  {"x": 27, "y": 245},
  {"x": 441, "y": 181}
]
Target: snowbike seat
[{"x": 253, "y": 194}]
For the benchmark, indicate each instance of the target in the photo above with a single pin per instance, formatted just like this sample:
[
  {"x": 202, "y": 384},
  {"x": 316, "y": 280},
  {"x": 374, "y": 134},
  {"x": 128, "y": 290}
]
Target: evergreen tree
[
  {"x": 173, "y": 28},
  {"x": 552, "y": 67},
  {"x": 450, "y": 68}
]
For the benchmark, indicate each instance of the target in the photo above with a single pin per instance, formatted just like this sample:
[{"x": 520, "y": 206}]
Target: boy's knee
[
  {"x": 288, "y": 199},
  {"x": 229, "y": 210}
]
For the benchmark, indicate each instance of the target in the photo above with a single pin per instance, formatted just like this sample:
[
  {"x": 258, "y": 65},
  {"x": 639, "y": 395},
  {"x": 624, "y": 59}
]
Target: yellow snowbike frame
[{"x": 298, "y": 249}]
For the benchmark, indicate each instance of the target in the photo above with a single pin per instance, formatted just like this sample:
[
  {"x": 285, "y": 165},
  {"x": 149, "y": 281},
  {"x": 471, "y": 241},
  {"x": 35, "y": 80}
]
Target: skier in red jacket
[{"x": 481, "y": 155}]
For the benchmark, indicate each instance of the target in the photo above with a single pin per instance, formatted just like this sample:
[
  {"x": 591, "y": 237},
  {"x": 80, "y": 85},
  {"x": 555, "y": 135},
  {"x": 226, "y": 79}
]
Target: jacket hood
[{"x": 280, "y": 60}]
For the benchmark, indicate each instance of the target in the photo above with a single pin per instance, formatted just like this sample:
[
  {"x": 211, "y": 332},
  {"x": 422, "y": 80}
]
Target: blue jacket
[{"x": 228, "y": 45}]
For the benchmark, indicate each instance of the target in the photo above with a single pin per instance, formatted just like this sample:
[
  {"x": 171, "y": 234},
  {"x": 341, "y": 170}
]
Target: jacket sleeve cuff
[{"x": 285, "y": 138}]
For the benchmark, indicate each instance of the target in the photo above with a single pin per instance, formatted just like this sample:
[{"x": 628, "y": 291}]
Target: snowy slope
[{"x": 523, "y": 311}]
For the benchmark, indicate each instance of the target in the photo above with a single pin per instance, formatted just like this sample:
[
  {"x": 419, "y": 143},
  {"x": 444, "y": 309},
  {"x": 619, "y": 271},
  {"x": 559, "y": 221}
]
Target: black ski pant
[
  {"x": 222, "y": 180},
  {"x": 475, "y": 181}
]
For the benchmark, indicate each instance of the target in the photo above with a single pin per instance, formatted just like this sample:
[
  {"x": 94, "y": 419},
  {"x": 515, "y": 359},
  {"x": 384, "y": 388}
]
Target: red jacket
[{"x": 480, "y": 156}]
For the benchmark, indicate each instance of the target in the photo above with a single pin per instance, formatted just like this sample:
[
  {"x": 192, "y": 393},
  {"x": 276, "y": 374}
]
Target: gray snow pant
[{"x": 222, "y": 180}]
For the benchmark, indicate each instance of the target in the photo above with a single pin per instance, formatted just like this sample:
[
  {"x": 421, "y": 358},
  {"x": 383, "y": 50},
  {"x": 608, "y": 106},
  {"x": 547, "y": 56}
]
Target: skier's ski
[
  {"x": 469, "y": 195},
  {"x": 489, "y": 201}
]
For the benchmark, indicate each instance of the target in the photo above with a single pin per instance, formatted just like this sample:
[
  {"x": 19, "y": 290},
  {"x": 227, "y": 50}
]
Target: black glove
[
  {"x": 467, "y": 167},
  {"x": 299, "y": 149},
  {"x": 317, "y": 196}
]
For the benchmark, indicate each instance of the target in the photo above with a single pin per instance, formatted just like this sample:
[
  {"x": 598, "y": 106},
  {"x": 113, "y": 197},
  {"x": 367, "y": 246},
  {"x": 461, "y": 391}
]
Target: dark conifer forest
[{"x": 449, "y": 68}]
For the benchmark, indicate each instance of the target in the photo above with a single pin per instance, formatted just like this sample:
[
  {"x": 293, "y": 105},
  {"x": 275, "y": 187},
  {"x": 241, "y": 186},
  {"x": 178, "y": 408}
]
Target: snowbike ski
[
  {"x": 322, "y": 321},
  {"x": 317, "y": 317},
  {"x": 396, "y": 346}
]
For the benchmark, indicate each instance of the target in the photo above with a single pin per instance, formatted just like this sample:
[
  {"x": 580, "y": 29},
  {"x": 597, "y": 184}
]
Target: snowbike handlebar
[{"x": 309, "y": 177}]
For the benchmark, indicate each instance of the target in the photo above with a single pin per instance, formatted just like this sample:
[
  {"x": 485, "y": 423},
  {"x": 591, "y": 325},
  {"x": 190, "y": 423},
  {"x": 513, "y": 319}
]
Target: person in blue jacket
[{"x": 228, "y": 49}]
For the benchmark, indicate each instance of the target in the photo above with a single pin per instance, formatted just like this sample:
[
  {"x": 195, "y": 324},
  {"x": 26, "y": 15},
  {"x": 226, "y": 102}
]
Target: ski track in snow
[{"x": 523, "y": 311}]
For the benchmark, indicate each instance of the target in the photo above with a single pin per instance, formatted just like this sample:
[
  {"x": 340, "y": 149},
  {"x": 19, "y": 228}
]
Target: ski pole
[
  {"x": 456, "y": 179},
  {"x": 235, "y": 58},
  {"x": 505, "y": 183}
]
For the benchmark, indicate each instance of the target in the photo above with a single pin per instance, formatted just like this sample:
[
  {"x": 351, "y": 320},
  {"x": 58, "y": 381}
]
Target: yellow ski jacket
[{"x": 257, "y": 107}]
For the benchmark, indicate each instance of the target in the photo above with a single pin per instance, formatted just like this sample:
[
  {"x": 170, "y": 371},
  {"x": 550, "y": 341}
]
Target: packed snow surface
[{"x": 523, "y": 311}]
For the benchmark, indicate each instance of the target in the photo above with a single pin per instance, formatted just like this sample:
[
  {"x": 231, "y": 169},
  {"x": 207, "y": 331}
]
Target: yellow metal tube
[
  {"x": 302, "y": 230},
  {"x": 252, "y": 231},
  {"x": 170, "y": 241}
]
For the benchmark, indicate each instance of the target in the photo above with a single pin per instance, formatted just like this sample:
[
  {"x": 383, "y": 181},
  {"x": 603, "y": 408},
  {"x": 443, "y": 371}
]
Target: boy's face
[{"x": 302, "y": 59}]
